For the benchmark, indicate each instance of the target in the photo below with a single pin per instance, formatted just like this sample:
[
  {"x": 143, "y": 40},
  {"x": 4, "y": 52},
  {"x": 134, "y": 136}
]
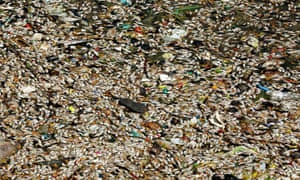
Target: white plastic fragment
[
  {"x": 262, "y": 166},
  {"x": 177, "y": 141},
  {"x": 193, "y": 121},
  {"x": 145, "y": 79},
  {"x": 216, "y": 120},
  {"x": 280, "y": 96},
  {"x": 165, "y": 77},
  {"x": 74, "y": 42},
  {"x": 28, "y": 89},
  {"x": 94, "y": 128},
  {"x": 69, "y": 19},
  {"x": 118, "y": 48},
  {"x": 294, "y": 52},
  {"x": 175, "y": 34},
  {"x": 37, "y": 36},
  {"x": 46, "y": 85},
  {"x": 252, "y": 41}
]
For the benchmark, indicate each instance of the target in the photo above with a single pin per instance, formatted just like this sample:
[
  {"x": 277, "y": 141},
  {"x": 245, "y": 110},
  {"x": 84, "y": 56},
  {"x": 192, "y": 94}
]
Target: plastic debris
[
  {"x": 126, "y": 2},
  {"x": 155, "y": 149},
  {"x": 125, "y": 26},
  {"x": 71, "y": 109},
  {"x": 164, "y": 144},
  {"x": 252, "y": 41},
  {"x": 134, "y": 134},
  {"x": 263, "y": 88},
  {"x": 295, "y": 155},
  {"x": 225, "y": 177},
  {"x": 152, "y": 125},
  {"x": 230, "y": 177},
  {"x": 214, "y": 86},
  {"x": 175, "y": 34},
  {"x": 37, "y": 36},
  {"x": 281, "y": 96},
  {"x": 216, "y": 120},
  {"x": 165, "y": 90},
  {"x": 55, "y": 164},
  {"x": 165, "y": 77},
  {"x": 177, "y": 141},
  {"x": 133, "y": 106},
  {"x": 194, "y": 121},
  {"x": 138, "y": 29},
  {"x": 7, "y": 149},
  {"x": 28, "y": 89}
]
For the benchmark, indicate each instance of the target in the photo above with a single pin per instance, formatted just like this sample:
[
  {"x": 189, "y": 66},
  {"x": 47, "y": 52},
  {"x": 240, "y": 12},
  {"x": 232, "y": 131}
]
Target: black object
[
  {"x": 55, "y": 164},
  {"x": 133, "y": 106},
  {"x": 295, "y": 155},
  {"x": 51, "y": 58},
  {"x": 230, "y": 177},
  {"x": 226, "y": 177},
  {"x": 143, "y": 91},
  {"x": 216, "y": 177}
]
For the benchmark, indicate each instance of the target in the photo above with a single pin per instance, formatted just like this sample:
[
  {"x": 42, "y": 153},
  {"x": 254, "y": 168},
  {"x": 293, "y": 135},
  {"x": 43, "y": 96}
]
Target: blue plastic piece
[
  {"x": 262, "y": 88},
  {"x": 126, "y": 2}
]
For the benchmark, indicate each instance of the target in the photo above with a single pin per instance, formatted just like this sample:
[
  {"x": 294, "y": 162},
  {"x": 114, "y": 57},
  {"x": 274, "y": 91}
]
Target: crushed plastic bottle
[
  {"x": 177, "y": 141},
  {"x": 279, "y": 95},
  {"x": 175, "y": 34}
]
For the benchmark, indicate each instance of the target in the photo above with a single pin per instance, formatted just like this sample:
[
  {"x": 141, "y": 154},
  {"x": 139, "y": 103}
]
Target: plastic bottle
[{"x": 279, "y": 95}]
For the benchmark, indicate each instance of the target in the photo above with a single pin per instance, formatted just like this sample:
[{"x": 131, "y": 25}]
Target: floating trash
[
  {"x": 152, "y": 125},
  {"x": 37, "y": 36},
  {"x": 165, "y": 77},
  {"x": 55, "y": 164},
  {"x": 7, "y": 149},
  {"x": 174, "y": 35},
  {"x": 252, "y": 41},
  {"x": 126, "y": 2},
  {"x": 128, "y": 89},
  {"x": 177, "y": 141},
  {"x": 133, "y": 106},
  {"x": 28, "y": 89}
]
